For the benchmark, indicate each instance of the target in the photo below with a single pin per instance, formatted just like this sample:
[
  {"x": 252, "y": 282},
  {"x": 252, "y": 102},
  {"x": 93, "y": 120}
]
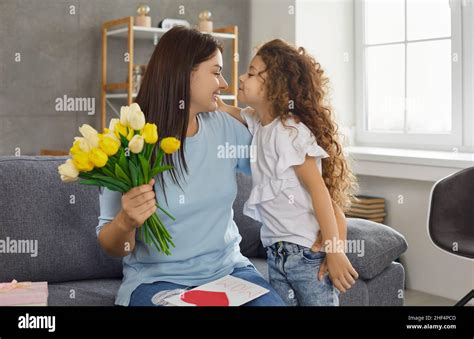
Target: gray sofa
[{"x": 36, "y": 207}]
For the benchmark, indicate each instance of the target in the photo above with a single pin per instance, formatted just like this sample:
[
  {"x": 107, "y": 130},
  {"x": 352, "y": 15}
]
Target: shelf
[
  {"x": 124, "y": 28},
  {"x": 119, "y": 95},
  {"x": 150, "y": 32},
  {"x": 134, "y": 95}
]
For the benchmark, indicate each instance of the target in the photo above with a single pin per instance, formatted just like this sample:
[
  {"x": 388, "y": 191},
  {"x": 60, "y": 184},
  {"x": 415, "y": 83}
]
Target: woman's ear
[{"x": 194, "y": 74}]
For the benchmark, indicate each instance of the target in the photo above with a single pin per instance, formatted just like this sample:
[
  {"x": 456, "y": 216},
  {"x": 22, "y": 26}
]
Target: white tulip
[
  {"x": 136, "y": 144},
  {"x": 136, "y": 118},
  {"x": 83, "y": 145},
  {"x": 68, "y": 171},
  {"x": 112, "y": 124},
  {"x": 133, "y": 108},
  {"x": 90, "y": 135},
  {"x": 124, "y": 111}
]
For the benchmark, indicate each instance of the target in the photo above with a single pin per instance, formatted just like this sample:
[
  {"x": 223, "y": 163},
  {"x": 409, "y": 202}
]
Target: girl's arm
[
  {"x": 341, "y": 221},
  {"x": 232, "y": 110},
  {"x": 341, "y": 272},
  {"x": 341, "y": 228}
]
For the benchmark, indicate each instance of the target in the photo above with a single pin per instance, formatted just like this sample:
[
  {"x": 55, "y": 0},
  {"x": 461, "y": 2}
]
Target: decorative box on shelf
[{"x": 24, "y": 293}]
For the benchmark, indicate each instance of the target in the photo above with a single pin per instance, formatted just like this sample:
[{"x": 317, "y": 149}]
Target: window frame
[{"x": 461, "y": 137}]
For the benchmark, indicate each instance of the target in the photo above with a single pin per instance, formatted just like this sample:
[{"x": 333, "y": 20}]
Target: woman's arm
[
  {"x": 117, "y": 237},
  {"x": 341, "y": 272}
]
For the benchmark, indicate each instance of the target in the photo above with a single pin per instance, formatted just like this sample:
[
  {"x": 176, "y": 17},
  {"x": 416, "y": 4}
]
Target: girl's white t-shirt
[{"x": 278, "y": 199}]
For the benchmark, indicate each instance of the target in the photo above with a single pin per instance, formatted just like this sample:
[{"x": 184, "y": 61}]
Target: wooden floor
[{"x": 417, "y": 298}]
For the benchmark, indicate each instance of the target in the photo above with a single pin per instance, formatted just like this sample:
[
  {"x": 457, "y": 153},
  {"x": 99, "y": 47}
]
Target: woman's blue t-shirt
[{"x": 205, "y": 234}]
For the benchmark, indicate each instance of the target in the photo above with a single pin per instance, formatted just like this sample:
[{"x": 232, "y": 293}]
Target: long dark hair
[{"x": 165, "y": 93}]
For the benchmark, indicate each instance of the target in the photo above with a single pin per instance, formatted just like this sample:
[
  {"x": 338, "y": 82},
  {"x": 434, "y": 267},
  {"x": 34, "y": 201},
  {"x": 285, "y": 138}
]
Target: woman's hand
[
  {"x": 341, "y": 272},
  {"x": 138, "y": 205}
]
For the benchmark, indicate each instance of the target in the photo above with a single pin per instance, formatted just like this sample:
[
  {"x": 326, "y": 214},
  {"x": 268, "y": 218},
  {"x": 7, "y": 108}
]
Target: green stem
[
  {"x": 153, "y": 223},
  {"x": 169, "y": 215},
  {"x": 145, "y": 232},
  {"x": 163, "y": 228},
  {"x": 154, "y": 236}
]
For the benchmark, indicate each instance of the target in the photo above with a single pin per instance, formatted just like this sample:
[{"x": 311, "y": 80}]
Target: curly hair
[{"x": 300, "y": 90}]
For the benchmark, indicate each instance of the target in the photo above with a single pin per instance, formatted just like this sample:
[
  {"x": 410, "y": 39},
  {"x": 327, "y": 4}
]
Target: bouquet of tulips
[{"x": 119, "y": 159}]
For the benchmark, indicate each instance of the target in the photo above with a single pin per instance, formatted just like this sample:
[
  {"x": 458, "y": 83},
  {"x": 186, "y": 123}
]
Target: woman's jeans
[
  {"x": 293, "y": 271},
  {"x": 154, "y": 294}
]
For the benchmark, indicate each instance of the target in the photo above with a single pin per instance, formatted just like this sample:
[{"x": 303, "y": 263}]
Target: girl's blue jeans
[{"x": 293, "y": 272}]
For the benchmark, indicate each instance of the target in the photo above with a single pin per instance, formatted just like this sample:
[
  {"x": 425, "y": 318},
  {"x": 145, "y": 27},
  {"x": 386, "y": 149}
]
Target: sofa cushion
[
  {"x": 387, "y": 288},
  {"x": 381, "y": 246},
  {"x": 97, "y": 292},
  {"x": 37, "y": 208}
]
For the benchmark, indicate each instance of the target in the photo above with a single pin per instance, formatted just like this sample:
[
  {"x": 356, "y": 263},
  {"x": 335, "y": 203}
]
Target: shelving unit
[{"x": 124, "y": 28}]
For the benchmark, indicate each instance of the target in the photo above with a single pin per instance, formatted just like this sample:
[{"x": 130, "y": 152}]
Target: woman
[{"x": 179, "y": 93}]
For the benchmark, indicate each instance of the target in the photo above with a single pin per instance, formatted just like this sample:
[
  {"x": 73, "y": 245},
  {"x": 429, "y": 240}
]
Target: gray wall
[
  {"x": 60, "y": 55},
  {"x": 271, "y": 19}
]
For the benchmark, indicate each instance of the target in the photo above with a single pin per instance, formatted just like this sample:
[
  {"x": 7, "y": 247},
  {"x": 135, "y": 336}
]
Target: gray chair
[{"x": 451, "y": 217}]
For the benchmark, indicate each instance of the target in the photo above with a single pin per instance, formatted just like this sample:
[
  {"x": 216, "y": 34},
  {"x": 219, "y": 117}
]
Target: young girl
[{"x": 296, "y": 194}]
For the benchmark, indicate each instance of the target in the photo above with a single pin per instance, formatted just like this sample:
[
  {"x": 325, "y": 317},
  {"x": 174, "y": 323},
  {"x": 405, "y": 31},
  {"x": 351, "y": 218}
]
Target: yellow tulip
[
  {"x": 75, "y": 147},
  {"x": 131, "y": 133},
  {"x": 150, "y": 133},
  {"x": 82, "y": 162},
  {"x": 109, "y": 144},
  {"x": 98, "y": 157},
  {"x": 136, "y": 144},
  {"x": 68, "y": 171},
  {"x": 170, "y": 145},
  {"x": 120, "y": 129}
]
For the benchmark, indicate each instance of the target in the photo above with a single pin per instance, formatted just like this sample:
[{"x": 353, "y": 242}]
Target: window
[{"x": 409, "y": 73}]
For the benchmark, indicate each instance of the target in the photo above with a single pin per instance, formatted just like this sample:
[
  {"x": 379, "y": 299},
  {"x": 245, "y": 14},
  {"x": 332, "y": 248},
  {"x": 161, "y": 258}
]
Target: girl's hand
[
  {"x": 138, "y": 205},
  {"x": 221, "y": 105},
  {"x": 318, "y": 244},
  {"x": 323, "y": 269},
  {"x": 341, "y": 272}
]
